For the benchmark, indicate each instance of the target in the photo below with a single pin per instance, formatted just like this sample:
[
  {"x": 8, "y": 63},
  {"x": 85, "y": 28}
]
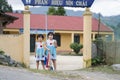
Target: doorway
[{"x": 32, "y": 42}]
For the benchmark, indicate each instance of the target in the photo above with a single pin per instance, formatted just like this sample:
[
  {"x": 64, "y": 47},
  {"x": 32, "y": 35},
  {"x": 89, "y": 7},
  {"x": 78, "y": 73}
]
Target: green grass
[
  {"x": 57, "y": 74},
  {"x": 102, "y": 68}
]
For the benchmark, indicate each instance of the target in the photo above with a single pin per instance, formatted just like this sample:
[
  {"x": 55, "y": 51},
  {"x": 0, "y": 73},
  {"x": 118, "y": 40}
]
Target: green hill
[{"x": 114, "y": 23}]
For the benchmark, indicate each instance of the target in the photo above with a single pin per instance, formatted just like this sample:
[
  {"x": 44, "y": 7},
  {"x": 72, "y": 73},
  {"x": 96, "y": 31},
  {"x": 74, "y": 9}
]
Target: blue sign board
[
  {"x": 37, "y": 31},
  {"x": 63, "y": 3}
]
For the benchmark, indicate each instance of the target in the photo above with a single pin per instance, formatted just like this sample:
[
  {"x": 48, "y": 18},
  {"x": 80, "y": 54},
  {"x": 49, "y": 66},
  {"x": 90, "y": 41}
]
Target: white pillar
[
  {"x": 26, "y": 36},
  {"x": 87, "y": 38}
]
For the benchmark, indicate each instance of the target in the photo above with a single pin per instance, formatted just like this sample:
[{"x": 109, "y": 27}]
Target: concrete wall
[{"x": 13, "y": 46}]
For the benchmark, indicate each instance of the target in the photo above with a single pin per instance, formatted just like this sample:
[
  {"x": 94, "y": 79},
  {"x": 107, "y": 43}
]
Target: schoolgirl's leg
[
  {"x": 54, "y": 63},
  {"x": 37, "y": 64},
  {"x": 42, "y": 62}
]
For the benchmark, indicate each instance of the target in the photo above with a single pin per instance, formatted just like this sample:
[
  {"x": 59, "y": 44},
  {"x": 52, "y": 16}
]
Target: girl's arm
[
  {"x": 55, "y": 44},
  {"x": 35, "y": 50},
  {"x": 45, "y": 46}
]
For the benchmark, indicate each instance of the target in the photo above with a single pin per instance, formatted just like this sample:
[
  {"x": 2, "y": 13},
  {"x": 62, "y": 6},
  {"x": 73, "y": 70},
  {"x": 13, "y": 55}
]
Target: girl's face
[
  {"x": 50, "y": 36},
  {"x": 40, "y": 39}
]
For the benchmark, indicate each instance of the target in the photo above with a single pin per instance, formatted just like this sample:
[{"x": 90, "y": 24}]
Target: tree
[
  {"x": 58, "y": 11},
  {"x": 61, "y": 11},
  {"x": 5, "y": 7},
  {"x": 51, "y": 11}
]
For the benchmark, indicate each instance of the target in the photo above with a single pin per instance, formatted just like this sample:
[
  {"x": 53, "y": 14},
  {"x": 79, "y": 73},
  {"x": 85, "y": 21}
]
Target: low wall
[{"x": 13, "y": 46}]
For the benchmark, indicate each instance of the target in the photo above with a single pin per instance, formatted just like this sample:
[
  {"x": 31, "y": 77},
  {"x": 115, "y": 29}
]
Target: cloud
[
  {"x": 16, "y": 4},
  {"x": 106, "y": 7}
]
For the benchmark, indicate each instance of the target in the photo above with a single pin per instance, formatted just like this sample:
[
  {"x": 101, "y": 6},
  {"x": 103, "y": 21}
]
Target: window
[
  {"x": 97, "y": 36},
  {"x": 6, "y": 32},
  {"x": 76, "y": 38},
  {"x": 57, "y": 37}
]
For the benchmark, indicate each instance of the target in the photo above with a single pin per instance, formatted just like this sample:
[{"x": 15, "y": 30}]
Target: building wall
[
  {"x": 13, "y": 46},
  {"x": 65, "y": 42}
]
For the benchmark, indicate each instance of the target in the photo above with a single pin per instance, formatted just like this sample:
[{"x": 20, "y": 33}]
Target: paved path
[
  {"x": 63, "y": 62},
  {"x": 86, "y": 75},
  {"x": 11, "y": 73}
]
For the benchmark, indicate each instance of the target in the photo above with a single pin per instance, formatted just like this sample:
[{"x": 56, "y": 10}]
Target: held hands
[
  {"x": 55, "y": 44},
  {"x": 48, "y": 50}
]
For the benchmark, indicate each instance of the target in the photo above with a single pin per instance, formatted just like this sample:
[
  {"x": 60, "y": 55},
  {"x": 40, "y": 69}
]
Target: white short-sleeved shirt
[
  {"x": 39, "y": 45},
  {"x": 50, "y": 42}
]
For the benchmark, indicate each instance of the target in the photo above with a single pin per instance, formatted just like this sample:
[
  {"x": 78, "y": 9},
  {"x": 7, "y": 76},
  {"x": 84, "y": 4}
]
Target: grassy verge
[
  {"x": 57, "y": 74},
  {"x": 102, "y": 68}
]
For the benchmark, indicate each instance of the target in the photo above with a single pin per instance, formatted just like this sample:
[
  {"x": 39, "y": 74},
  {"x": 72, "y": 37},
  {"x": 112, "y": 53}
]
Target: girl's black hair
[
  {"x": 50, "y": 33},
  {"x": 40, "y": 35}
]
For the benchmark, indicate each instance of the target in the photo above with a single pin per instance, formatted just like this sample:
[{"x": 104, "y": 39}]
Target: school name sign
[{"x": 63, "y": 3}]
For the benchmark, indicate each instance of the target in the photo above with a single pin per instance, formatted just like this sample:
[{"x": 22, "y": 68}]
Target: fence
[
  {"x": 112, "y": 52},
  {"x": 108, "y": 50}
]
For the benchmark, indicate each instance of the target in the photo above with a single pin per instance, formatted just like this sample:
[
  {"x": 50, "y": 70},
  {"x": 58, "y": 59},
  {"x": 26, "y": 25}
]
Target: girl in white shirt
[
  {"x": 51, "y": 45},
  {"x": 39, "y": 51}
]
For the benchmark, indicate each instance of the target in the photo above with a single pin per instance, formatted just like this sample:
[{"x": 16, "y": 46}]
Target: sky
[{"x": 105, "y": 7}]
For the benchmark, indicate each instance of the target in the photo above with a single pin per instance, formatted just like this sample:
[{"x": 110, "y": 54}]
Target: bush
[
  {"x": 76, "y": 47},
  {"x": 98, "y": 61},
  {"x": 2, "y": 52}
]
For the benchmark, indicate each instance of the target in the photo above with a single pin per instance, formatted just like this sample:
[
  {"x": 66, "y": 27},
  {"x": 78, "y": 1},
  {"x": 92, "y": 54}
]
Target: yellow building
[{"x": 67, "y": 29}]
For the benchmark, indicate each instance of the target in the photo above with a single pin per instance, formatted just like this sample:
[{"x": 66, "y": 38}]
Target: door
[{"x": 32, "y": 42}]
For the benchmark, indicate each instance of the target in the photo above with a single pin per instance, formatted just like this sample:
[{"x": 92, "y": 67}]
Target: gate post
[
  {"x": 87, "y": 23},
  {"x": 26, "y": 36}
]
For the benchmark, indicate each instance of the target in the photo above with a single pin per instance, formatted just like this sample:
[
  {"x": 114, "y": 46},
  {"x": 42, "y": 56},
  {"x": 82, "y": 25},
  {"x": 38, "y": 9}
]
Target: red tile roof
[
  {"x": 18, "y": 23},
  {"x": 56, "y": 23}
]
